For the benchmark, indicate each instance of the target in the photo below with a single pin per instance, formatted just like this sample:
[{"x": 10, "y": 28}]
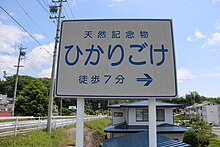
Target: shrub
[{"x": 190, "y": 137}]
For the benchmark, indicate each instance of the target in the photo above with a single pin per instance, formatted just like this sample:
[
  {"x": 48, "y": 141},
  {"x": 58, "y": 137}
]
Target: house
[
  {"x": 5, "y": 105},
  {"x": 130, "y": 118},
  {"x": 207, "y": 111},
  {"x": 141, "y": 140}
]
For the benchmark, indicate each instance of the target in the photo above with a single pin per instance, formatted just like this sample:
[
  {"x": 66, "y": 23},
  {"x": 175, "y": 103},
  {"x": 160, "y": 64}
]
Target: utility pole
[
  {"x": 20, "y": 57},
  {"x": 53, "y": 10}
]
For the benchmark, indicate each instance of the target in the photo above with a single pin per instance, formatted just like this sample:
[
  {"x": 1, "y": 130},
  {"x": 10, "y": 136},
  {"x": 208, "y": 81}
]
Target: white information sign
[{"x": 116, "y": 59}]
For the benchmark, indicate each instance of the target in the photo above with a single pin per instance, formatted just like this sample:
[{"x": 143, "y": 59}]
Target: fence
[{"x": 19, "y": 125}]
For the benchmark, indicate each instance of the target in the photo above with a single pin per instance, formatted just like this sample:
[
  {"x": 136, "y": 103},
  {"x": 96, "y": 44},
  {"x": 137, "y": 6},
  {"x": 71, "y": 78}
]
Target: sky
[{"x": 196, "y": 26}]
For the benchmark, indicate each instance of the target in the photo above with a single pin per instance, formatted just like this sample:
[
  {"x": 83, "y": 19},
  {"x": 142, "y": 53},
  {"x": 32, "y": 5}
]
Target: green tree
[
  {"x": 190, "y": 137},
  {"x": 194, "y": 97},
  {"x": 7, "y": 86},
  {"x": 204, "y": 132},
  {"x": 33, "y": 100}
]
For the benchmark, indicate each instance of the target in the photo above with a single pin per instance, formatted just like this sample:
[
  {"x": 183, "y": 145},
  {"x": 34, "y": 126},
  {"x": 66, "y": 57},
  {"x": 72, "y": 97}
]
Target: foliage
[
  {"x": 189, "y": 99},
  {"x": 32, "y": 100},
  {"x": 98, "y": 124},
  {"x": 190, "y": 137},
  {"x": 204, "y": 132},
  {"x": 57, "y": 138},
  {"x": 214, "y": 142},
  {"x": 66, "y": 111},
  {"x": 7, "y": 86},
  {"x": 193, "y": 118}
]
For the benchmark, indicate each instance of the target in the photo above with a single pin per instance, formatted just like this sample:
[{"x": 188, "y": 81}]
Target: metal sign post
[
  {"x": 80, "y": 122},
  {"x": 152, "y": 122}
]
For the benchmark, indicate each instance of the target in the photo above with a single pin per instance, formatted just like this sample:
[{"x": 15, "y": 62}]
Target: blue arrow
[{"x": 148, "y": 79}]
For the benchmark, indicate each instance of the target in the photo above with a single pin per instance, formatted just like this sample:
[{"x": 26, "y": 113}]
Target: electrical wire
[
  {"x": 32, "y": 19},
  {"x": 70, "y": 9},
  {"x": 65, "y": 13},
  {"x": 46, "y": 3},
  {"x": 24, "y": 29},
  {"x": 11, "y": 68},
  {"x": 43, "y": 7}
]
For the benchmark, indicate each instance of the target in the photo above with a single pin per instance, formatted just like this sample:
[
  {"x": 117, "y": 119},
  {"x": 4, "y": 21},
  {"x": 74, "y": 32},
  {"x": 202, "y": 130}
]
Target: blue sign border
[{"x": 116, "y": 96}]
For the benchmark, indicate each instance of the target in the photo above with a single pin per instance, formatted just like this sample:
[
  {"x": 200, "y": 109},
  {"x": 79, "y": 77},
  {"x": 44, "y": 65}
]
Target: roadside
[
  {"x": 216, "y": 130},
  {"x": 93, "y": 133},
  {"x": 92, "y": 138}
]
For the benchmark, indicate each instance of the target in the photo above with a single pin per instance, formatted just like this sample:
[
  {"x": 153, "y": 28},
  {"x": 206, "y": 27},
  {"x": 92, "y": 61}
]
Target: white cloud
[
  {"x": 217, "y": 25},
  {"x": 46, "y": 73},
  {"x": 215, "y": 73},
  {"x": 184, "y": 75},
  {"x": 39, "y": 36},
  {"x": 196, "y": 36},
  {"x": 118, "y": 1},
  {"x": 7, "y": 63},
  {"x": 40, "y": 56},
  {"x": 215, "y": 1},
  {"x": 213, "y": 41},
  {"x": 112, "y": 3},
  {"x": 10, "y": 36},
  {"x": 38, "y": 59}
]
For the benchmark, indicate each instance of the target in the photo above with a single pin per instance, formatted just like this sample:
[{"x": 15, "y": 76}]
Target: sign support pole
[
  {"x": 80, "y": 122},
  {"x": 152, "y": 122}
]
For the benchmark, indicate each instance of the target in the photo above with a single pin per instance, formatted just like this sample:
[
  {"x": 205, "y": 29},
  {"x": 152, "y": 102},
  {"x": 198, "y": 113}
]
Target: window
[
  {"x": 142, "y": 115},
  {"x": 160, "y": 115},
  {"x": 118, "y": 114}
]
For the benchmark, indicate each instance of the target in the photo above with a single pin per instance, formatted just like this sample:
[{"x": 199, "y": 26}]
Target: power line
[
  {"x": 11, "y": 68},
  {"x": 31, "y": 19},
  {"x": 46, "y": 3},
  {"x": 8, "y": 40},
  {"x": 24, "y": 29},
  {"x": 65, "y": 12},
  {"x": 33, "y": 66},
  {"x": 70, "y": 10},
  {"x": 43, "y": 7}
]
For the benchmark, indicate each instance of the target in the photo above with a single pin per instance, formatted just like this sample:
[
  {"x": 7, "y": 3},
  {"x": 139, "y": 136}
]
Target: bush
[{"x": 190, "y": 137}]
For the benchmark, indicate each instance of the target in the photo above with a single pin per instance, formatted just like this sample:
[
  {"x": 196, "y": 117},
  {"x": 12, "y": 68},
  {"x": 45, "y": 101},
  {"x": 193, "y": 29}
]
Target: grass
[
  {"x": 98, "y": 124},
  {"x": 214, "y": 142},
  {"x": 57, "y": 138}
]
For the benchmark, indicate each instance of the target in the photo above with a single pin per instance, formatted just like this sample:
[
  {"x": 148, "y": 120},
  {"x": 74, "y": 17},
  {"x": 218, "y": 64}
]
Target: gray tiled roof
[
  {"x": 163, "y": 128},
  {"x": 143, "y": 104},
  {"x": 141, "y": 140}
]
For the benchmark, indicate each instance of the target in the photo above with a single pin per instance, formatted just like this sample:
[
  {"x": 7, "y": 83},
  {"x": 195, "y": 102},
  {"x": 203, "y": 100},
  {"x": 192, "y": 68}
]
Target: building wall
[
  {"x": 132, "y": 117},
  {"x": 117, "y": 120},
  {"x": 3, "y": 99},
  {"x": 211, "y": 114},
  {"x": 207, "y": 111},
  {"x": 3, "y": 114}
]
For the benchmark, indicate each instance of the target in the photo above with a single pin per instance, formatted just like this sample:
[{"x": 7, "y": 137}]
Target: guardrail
[{"x": 20, "y": 125}]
